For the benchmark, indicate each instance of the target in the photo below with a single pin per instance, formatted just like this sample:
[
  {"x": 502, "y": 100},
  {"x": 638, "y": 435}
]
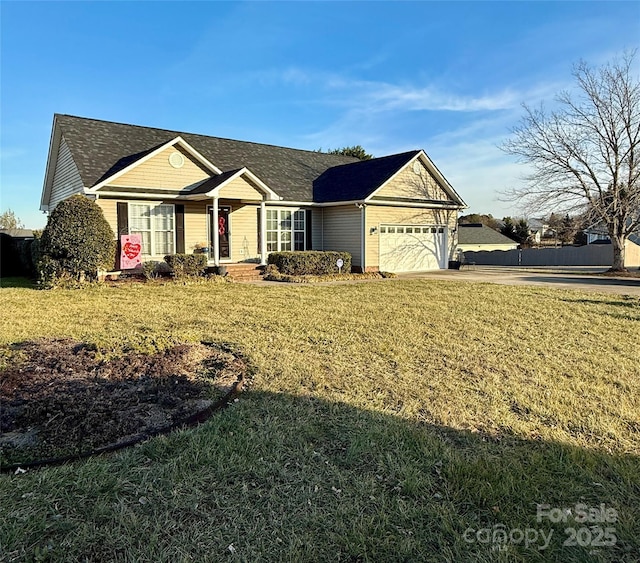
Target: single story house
[
  {"x": 474, "y": 237},
  {"x": 238, "y": 201}
]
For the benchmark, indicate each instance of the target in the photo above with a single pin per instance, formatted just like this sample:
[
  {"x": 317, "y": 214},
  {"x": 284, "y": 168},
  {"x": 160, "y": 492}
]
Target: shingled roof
[
  {"x": 358, "y": 180},
  {"x": 102, "y": 148},
  {"x": 477, "y": 233}
]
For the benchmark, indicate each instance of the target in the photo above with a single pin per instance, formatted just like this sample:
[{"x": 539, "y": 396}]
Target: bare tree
[
  {"x": 9, "y": 220},
  {"x": 586, "y": 154}
]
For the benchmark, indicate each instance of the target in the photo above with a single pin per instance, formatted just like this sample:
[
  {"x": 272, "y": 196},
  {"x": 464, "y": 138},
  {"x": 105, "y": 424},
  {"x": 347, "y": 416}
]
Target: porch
[{"x": 233, "y": 206}]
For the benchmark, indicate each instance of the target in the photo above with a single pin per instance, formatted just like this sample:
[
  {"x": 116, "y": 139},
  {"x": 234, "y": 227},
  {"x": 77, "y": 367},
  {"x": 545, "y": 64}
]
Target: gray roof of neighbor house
[
  {"x": 102, "y": 148},
  {"x": 477, "y": 233},
  {"x": 18, "y": 233}
]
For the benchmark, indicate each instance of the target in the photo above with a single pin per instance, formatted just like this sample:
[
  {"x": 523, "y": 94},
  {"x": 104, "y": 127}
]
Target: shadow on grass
[
  {"x": 584, "y": 280},
  {"x": 627, "y": 301},
  {"x": 17, "y": 282},
  {"x": 628, "y": 307},
  {"x": 294, "y": 478}
]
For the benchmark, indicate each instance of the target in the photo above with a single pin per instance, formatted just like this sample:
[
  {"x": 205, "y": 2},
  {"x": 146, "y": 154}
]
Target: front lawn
[{"x": 387, "y": 421}]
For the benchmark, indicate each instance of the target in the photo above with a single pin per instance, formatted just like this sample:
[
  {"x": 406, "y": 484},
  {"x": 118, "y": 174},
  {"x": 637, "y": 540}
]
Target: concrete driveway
[{"x": 583, "y": 279}]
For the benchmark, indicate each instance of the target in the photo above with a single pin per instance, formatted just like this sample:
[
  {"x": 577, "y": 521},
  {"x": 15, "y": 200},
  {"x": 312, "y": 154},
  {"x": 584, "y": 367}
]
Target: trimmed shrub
[
  {"x": 187, "y": 264},
  {"x": 310, "y": 262},
  {"x": 150, "y": 269},
  {"x": 78, "y": 238},
  {"x": 49, "y": 272}
]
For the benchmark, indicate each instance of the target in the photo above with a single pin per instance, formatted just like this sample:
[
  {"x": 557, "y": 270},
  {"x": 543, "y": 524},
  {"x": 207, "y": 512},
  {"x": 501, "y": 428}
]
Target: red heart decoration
[{"x": 131, "y": 250}]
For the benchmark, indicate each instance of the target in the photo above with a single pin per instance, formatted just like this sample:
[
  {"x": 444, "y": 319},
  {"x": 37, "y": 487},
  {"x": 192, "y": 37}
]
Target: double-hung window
[
  {"x": 285, "y": 229},
  {"x": 155, "y": 223}
]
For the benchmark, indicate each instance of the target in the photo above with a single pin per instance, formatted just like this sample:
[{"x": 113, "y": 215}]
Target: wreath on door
[{"x": 221, "y": 229}]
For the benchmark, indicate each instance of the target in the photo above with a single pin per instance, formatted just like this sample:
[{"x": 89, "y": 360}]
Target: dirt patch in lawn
[{"x": 59, "y": 398}]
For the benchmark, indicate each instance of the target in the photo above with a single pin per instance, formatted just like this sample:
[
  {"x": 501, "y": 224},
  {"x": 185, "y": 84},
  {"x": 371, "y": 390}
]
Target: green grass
[{"x": 383, "y": 421}]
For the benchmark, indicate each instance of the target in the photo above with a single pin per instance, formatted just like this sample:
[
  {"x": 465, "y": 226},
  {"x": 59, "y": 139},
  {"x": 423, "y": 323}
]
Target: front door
[{"x": 224, "y": 235}]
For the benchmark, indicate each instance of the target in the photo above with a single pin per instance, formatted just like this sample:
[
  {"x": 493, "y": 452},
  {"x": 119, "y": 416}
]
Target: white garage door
[{"x": 412, "y": 248}]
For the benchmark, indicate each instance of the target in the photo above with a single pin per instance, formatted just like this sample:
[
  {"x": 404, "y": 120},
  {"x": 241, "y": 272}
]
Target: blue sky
[{"x": 392, "y": 76}]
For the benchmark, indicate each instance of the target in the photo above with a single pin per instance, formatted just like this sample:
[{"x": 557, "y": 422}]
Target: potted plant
[{"x": 201, "y": 248}]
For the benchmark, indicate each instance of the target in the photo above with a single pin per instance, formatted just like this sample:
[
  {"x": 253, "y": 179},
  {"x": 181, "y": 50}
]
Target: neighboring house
[
  {"x": 18, "y": 234},
  {"x": 539, "y": 229},
  {"x": 474, "y": 237},
  {"x": 598, "y": 233},
  {"x": 238, "y": 201}
]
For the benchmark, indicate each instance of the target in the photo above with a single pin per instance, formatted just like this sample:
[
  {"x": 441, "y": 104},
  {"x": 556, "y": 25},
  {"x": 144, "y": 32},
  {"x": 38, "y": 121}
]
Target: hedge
[
  {"x": 78, "y": 239},
  {"x": 187, "y": 264},
  {"x": 310, "y": 262}
]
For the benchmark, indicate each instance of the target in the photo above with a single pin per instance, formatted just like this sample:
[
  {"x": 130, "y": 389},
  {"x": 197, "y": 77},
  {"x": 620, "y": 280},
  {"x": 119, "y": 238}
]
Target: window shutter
[
  {"x": 259, "y": 228},
  {"x": 309, "y": 230},
  {"x": 180, "y": 229},
  {"x": 122, "y": 210},
  {"x": 122, "y": 218}
]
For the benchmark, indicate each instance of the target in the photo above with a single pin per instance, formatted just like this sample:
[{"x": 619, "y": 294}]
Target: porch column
[
  {"x": 215, "y": 234},
  {"x": 263, "y": 233}
]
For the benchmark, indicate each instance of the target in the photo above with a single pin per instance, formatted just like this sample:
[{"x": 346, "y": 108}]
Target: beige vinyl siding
[
  {"x": 240, "y": 189},
  {"x": 66, "y": 178},
  {"x": 631, "y": 254},
  {"x": 158, "y": 173},
  {"x": 411, "y": 185},
  {"x": 243, "y": 224},
  {"x": 109, "y": 209},
  {"x": 195, "y": 225},
  {"x": 342, "y": 228},
  {"x": 386, "y": 215},
  {"x": 244, "y": 232},
  {"x": 316, "y": 228}
]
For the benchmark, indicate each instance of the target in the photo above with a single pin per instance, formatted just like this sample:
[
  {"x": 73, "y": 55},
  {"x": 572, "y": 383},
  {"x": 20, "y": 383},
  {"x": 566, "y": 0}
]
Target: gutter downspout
[{"x": 363, "y": 244}]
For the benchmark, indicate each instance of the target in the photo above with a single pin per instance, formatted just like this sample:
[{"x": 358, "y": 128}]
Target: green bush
[
  {"x": 310, "y": 262},
  {"x": 78, "y": 238},
  {"x": 49, "y": 272},
  {"x": 35, "y": 252},
  {"x": 187, "y": 264},
  {"x": 150, "y": 269}
]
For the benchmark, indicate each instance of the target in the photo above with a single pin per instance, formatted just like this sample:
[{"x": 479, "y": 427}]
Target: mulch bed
[{"x": 59, "y": 398}]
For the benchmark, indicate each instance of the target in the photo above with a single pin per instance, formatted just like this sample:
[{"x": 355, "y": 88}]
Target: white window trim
[
  {"x": 153, "y": 204},
  {"x": 293, "y": 229}
]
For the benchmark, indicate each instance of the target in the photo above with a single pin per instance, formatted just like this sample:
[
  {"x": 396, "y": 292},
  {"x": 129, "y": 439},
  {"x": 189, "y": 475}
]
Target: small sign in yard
[
  {"x": 340, "y": 263},
  {"x": 131, "y": 251}
]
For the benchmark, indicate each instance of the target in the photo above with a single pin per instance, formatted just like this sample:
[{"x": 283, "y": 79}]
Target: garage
[{"x": 412, "y": 248}]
